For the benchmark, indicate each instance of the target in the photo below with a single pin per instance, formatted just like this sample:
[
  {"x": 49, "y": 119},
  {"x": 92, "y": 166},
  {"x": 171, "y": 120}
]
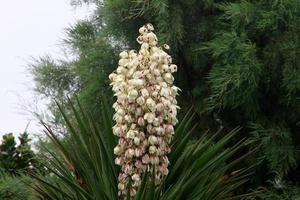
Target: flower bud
[
  {"x": 123, "y": 55},
  {"x": 140, "y": 100},
  {"x": 131, "y": 134},
  {"x": 152, "y": 140},
  {"x": 136, "y": 141},
  {"x": 118, "y": 161},
  {"x": 146, "y": 159},
  {"x": 129, "y": 153},
  {"x": 152, "y": 149},
  {"x": 149, "y": 117},
  {"x": 121, "y": 186},
  {"x": 143, "y": 30},
  {"x": 173, "y": 68},
  {"x": 123, "y": 62},
  {"x": 117, "y": 150},
  {"x": 144, "y": 93},
  {"x": 138, "y": 152},
  {"x": 141, "y": 121}
]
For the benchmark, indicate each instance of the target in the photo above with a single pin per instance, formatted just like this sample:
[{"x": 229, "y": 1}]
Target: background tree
[
  {"x": 8, "y": 153},
  {"x": 17, "y": 159},
  {"x": 238, "y": 65}
]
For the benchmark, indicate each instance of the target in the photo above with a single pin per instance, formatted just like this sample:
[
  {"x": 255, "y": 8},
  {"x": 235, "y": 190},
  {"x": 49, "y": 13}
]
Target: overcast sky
[{"x": 30, "y": 28}]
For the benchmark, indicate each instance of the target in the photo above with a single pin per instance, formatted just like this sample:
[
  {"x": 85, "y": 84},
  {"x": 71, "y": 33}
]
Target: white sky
[{"x": 30, "y": 28}]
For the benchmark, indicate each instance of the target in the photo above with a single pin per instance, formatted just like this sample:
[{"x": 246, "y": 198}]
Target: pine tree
[{"x": 17, "y": 159}]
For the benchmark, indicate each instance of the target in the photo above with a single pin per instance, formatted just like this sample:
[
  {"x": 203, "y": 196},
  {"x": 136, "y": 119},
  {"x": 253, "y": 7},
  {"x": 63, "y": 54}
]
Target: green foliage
[
  {"x": 235, "y": 74},
  {"x": 238, "y": 62},
  {"x": 276, "y": 148},
  {"x": 8, "y": 150},
  {"x": 286, "y": 193},
  {"x": 15, "y": 188},
  {"x": 85, "y": 169},
  {"x": 16, "y": 159}
]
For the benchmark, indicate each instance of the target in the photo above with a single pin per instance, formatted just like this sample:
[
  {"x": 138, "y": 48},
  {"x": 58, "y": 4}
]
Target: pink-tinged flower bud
[
  {"x": 122, "y": 142},
  {"x": 165, "y": 160},
  {"x": 149, "y": 128},
  {"x": 124, "y": 127},
  {"x": 118, "y": 161},
  {"x": 138, "y": 164},
  {"x": 136, "y": 177},
  {"x": 169, "y": 128},
  {"x": 123, "y": 177},
  {"x": 141, "y": 121},
  {"x": 145, "y": 93},
  {"x": 139, "y": 111},
  {"x": 132, "y": 191},
  {"x": 152, "y": 149},
  {"x": 164, "y": 170},
  {"x": 149, "y": 117},
  {"x": 152, "y": 140},
  {"x": 146, "y": 159},
  {"x": 128, "y": 169},
  {"x": 159, "y": 107},
  {"x": 154, "y": 160},
  {"x": 129, "y": 153},
  {"x": 138, "y": 152}
]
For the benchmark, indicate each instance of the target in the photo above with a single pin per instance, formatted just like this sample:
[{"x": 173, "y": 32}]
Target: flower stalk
[{"x": 145, "y": 111}]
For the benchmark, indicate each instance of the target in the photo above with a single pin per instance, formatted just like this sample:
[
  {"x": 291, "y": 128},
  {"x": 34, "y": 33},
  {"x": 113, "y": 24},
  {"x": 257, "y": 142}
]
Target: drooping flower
[{"x": 145, "y": 111}]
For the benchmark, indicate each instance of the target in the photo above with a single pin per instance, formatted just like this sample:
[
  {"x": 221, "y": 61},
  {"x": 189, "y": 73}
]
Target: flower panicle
[{"x": 145, "y": 111}]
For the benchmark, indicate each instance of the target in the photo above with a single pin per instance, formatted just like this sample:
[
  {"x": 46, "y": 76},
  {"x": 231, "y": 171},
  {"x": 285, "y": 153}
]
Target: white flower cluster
[{"x": 146, "y": 110}]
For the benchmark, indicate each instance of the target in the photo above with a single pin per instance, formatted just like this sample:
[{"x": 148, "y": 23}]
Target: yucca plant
[
  {"x": 83, "y": 168},
  {"x": 153, "y": 161}
]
